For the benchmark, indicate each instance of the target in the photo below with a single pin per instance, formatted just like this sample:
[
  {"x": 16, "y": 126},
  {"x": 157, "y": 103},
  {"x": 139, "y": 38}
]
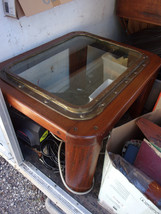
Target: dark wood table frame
[{"x": 83, "y": 139}]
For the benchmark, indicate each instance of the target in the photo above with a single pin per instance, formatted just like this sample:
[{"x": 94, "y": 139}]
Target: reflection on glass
[{"x": 78, "y": 70}]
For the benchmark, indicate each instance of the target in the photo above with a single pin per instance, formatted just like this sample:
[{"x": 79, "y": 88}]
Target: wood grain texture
[
  {"x": 148, "y": 11},
  {"x": 81, "y": 159},
  {"x": 82, "y": 138}
]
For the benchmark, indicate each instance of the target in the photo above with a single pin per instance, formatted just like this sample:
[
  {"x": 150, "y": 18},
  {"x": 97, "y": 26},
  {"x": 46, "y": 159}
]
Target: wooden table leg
[
  {"x": 137, "y": 107},
  {"x": 81, "y": 156}
]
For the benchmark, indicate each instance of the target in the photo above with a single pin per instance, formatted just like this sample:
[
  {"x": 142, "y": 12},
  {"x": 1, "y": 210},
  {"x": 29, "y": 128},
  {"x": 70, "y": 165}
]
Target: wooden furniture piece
[
  {"x": 138, "y": 15},
  {"x": 145, "y": 11},
  {"x": 135, "y": 16},
  {"x": 82, "y": 126}
]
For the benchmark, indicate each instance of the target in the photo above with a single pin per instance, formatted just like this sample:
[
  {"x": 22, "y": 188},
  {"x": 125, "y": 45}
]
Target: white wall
[{"x": 95, "y": 16}]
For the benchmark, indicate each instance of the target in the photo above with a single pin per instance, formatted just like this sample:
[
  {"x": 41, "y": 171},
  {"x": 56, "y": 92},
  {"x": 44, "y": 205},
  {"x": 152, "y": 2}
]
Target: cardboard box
[
  {"x": 12, "y": 9},
  {"x": 117, "y": 194},
  {"x": 19, "y": 8}
]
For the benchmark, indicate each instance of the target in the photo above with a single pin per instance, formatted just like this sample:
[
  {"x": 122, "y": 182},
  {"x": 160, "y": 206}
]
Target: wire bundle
[{"x": 49, "y": 150}]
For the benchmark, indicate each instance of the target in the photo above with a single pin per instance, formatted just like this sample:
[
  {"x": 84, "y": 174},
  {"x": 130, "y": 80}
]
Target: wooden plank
[{"x": 151, "y": 131}]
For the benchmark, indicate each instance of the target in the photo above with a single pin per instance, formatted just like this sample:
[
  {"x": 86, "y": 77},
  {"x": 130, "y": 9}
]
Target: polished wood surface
[
  {"x": 82, "y": 138},
  {"x": 148, "y": 11}
]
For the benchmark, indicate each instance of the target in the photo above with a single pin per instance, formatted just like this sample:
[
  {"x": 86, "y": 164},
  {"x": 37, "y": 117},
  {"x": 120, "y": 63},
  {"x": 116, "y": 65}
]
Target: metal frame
[
  {"x": 9, "y": 133},
  {"x": 13, "y": 155}
]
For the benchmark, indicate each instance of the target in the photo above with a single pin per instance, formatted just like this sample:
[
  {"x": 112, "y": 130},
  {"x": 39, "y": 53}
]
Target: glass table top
[{"x": 77, "y": 76}]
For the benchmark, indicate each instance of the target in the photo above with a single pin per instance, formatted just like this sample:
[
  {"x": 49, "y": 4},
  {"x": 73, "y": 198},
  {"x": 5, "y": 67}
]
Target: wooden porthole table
[{"x": 78, "y": 87}]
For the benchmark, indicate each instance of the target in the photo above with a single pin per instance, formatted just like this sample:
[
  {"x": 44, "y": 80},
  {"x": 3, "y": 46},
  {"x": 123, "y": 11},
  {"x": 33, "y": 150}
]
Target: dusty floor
[{"x": 17, "y": 194}]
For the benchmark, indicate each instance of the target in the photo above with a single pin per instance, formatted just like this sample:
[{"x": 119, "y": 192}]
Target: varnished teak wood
[{"x": 82, "y": 138}]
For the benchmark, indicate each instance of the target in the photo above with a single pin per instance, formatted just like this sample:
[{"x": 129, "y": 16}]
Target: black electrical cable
[{"x": 49, "y": 150}]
